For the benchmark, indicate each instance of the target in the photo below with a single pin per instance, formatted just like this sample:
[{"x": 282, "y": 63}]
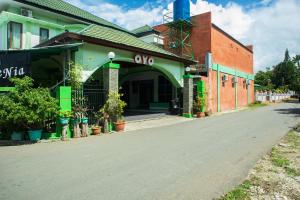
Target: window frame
[
  {"x": 10, "y": 34},
  {"x": 48, "y": 34}
]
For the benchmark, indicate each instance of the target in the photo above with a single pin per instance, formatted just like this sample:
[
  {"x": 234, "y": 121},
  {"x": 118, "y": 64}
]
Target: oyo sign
[{"x": 143, "y": 59}]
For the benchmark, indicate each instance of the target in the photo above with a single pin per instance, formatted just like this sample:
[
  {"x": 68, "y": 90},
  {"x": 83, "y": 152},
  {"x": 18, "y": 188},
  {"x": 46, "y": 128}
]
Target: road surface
[{"x": 199, "y": 159}]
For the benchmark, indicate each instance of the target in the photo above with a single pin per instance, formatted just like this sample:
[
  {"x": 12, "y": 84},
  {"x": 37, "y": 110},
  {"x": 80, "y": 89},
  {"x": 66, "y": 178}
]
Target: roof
[
  {"x": 104, "y": 36},
  {"x": 143, "y": 29},
  {"x": 64, "y": 8},
  {"x": 123, "y": 38},
  {"x": 37, "y": 53}
]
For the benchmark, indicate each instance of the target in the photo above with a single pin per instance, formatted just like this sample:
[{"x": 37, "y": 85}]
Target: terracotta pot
[
  {"x": 96, "y": 131},
  {"x": 200, "y": 114},
  {"x": 119, "y": 126}
]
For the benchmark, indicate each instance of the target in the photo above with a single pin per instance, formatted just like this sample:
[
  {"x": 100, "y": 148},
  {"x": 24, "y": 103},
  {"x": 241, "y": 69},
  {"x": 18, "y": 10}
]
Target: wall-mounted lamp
[
  {"x": 188, "y": 69},
  {"x": 111, "y": 55}
]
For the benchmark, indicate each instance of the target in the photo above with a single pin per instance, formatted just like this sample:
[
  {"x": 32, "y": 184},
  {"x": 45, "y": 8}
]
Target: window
[
  {"x": 44, "y": 35},
  {"x": 14, "y": 35}
]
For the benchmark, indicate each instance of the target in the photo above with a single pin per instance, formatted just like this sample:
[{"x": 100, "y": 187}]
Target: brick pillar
[
  {"x": 111, "y": 77},
  {"x": 188, "y": 96}
]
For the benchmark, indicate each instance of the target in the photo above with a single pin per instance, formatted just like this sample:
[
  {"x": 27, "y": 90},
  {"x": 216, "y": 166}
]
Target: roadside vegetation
[
  {"x": 257, "y": 104},
  {"x": 276, "y": 176},
  {"x": 282, "y": 77}
]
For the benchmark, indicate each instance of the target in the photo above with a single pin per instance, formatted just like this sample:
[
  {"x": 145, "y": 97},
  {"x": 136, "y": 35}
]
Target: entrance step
[{"x": 152, "y": 122}]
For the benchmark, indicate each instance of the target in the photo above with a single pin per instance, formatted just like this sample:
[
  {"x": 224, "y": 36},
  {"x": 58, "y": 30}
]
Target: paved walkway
[{"x": 198, "y": 159}]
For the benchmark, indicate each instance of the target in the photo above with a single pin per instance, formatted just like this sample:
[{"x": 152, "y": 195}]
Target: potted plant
[
  {"x": 30, "y": 107},
  {"x": 96, "y": 130},
  {"x": 9, "y": 123},
  {"x": 199, "y": 106},
  {"x": 114, "y": 107},
  {"x": 64, "y": 117},
  {"x": 103, "y": 118}
]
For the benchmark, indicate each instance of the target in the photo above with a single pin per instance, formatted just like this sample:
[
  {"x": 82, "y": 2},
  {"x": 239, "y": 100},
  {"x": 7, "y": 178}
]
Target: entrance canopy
[{"x": 17, "y": 63}]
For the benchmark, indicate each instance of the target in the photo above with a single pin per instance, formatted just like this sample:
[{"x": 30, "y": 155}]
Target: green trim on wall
[
  {"x": 218, "y": 90},
  {"x": 187, "y": 115},
  {"x": 188, "y": 76},
  {"x": 233, "y": 72},
  {"x": 111, "y": 65},
  {"x": 236, "y": 95},
  {"x": 230, "y": 71},
  {"x": 248, "y": 94},
  {"x": 6, "y": 89},
  {"x": 19, "y": 18},
  {"x": 236, "y": 92}
]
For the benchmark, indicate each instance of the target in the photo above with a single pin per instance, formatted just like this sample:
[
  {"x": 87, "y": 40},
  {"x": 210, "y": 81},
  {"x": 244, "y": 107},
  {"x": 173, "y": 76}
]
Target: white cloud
[
  {"x": 275, "y": 28},
  {"x": 130, "y": 19},
  {"x": 271, "y": 27}
]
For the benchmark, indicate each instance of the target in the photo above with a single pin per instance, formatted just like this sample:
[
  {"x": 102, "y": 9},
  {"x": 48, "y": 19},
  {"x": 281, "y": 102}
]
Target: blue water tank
[{"x": 181, "y": 10}]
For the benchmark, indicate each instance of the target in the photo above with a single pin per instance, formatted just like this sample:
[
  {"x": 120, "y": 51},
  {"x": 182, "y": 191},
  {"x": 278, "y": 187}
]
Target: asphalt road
[{"x": 198, "y": 160}]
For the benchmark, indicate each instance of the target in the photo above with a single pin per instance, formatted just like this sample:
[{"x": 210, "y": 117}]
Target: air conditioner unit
[
  {"x": 234, "y": 79},
  {"x": 173, "y": 45},
  {"x": 248, "y": 82},
  {"x": 26, "y": 12},
  {"x": 224, "y": 78}
]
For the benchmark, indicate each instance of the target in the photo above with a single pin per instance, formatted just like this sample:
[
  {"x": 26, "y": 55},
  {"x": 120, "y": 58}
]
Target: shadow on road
[
  {"x": 291, "y": 101},
  {"x": 15, "y": 143},
  {"x": 290, "y": 111}
]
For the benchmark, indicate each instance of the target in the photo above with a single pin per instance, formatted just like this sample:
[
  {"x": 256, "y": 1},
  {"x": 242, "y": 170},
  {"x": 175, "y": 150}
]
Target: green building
[{"x": 55, "y": 36}]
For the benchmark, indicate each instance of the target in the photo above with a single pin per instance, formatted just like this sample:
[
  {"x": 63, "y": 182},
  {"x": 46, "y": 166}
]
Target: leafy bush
[
  {"x": 199, "y": 104},
  {"x": 114, "y": 106},
  {"x": 27, "y": 107}
]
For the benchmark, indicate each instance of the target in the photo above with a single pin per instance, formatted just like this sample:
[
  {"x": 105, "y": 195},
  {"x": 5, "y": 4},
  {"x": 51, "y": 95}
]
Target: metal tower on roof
[{"x": 179, "y": 29}]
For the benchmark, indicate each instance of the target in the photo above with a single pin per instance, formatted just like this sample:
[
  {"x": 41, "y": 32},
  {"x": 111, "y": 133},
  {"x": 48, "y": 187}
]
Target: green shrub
[
  {"x": 114, "y": 106},
  {"x": 26, "y": 107}
]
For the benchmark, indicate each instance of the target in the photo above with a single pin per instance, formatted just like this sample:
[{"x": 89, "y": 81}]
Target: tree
[
  {"x": 287, "y": 56},
  {"x": 284, "y": 73},
  {"x": 283, "y": 76},
  {"x": 264, "y": 79}
]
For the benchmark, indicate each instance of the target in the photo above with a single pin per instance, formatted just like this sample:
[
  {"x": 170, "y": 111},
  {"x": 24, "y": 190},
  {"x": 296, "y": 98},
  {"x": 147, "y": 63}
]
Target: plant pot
[
  {"x": 84, "y": 120},
  {"x": 75, "y": 121},
  {"x": 208, "y": 113},
  {"x": 119, "y": 126},
  {"x": 96, "y": 131},
  {"x": 17, "y": 136},
  {"x": 35, "y": 135},
  {"x": 63, "y": 120},
  {"x": 200, "y": 114}
]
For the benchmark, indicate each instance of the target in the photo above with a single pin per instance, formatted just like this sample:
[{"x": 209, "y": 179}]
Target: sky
[{"x": 270, "y": 25}]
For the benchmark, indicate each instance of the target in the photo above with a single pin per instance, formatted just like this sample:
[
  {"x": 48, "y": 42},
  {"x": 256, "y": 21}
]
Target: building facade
[
  {"x": 226, "y": 65},
  {"x": 56, "y": 36}
]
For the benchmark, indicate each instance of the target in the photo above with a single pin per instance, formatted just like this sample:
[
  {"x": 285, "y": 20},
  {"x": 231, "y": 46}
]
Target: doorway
[{"x": 146, "y": 90}]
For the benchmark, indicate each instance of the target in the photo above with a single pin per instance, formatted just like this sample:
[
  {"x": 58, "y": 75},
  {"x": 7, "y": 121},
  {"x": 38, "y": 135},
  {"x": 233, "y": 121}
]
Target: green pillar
[
  {"x": 236, "y": 91},
  {"x": 64, "y": 97},
  {"x": 201, "y": 91},
  {"x": 218, "y": 89},
  {"x": 248, "y": 92}
]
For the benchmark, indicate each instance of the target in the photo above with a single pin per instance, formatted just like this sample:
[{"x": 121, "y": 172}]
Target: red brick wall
[
  {"x": 227, "y": 94},
  {"x": 242, "y": 93},
  {"x": 201, "y": 36},
  {"x": 226, "y": 51},
  {"x": 230, "y": 53}
]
